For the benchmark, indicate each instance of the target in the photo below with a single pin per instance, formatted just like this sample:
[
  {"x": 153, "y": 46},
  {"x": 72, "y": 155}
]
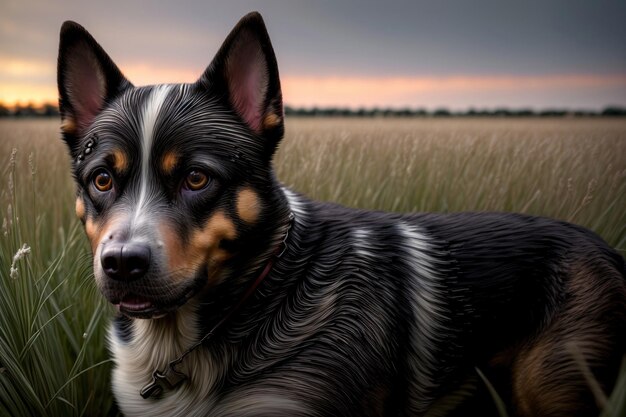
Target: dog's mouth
[
  {"x": 135, "y": 306},
  {"x": 150, "y": 297},
  {"x": 138, "y": 306}
]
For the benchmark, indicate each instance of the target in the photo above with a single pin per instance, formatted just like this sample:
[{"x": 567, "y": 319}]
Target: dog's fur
[{"x": 365, "y": 314}]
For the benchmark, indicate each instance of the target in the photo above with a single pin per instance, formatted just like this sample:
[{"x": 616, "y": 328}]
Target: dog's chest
[
  {"x": 151, "y": 347},
  {"x": 132, "y": 372},
  {"x": 200, "y": 394}
]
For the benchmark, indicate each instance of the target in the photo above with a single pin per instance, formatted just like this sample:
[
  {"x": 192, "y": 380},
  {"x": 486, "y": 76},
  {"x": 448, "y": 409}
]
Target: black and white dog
[{"x": 240, "y": 297}]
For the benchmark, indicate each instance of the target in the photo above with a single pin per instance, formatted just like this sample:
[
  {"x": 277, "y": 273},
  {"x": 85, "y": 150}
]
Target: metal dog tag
[{"x": 170, "y": 379}]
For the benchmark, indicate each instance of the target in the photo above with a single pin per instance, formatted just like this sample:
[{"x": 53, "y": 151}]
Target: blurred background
[{"x": 417, "y": 55}]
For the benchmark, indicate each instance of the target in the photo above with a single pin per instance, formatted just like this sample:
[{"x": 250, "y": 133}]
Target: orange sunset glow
[
  {"x": 372, "y": 91},
  {"x": 308, "y": 91}
]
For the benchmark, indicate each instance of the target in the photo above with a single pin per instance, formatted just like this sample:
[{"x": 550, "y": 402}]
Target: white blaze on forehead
[{"x": 149, "y": 117}]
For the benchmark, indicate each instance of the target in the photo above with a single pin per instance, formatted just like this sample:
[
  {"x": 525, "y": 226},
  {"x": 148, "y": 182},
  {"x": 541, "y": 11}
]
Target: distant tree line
[
  {"x": 442, "y": 112},
  {"x": 29, "y": 110},
  {"x": 51, "y": 110}
]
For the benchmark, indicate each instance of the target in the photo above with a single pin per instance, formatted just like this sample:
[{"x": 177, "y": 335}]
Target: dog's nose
[{"x": 125, "y": 261}]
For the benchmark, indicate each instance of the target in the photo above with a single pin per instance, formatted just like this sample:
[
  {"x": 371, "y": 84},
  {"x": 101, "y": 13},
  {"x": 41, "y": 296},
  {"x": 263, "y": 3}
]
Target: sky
[{"x": 457, "y": 54}]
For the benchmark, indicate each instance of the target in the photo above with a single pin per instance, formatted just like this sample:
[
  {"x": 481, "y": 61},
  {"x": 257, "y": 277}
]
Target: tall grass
[
  {"x": 53, "y": 359},
  {"x": 52, "y": 321},
  {"x": 569, "y": 169}
]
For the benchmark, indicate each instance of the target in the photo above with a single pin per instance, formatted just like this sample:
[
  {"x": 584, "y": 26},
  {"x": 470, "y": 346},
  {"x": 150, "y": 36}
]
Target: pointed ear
[
  {"x": 245, "y": 71},
  {"x": 87, "y": 79}
]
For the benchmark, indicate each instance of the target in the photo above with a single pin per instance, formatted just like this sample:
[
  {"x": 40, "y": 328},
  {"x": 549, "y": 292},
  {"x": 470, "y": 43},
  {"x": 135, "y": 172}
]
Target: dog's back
[{"x": 535, "y": 304}]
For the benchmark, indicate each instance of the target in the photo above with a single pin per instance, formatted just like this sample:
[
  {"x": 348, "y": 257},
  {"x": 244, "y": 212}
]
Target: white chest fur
[
  {"x": 153, "y": 345},
  {"x": 157, "y": 342}
]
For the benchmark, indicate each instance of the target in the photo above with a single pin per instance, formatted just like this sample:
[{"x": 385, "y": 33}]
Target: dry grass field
[
  {"x": 570, "y": 169},
  {"x": 53, "y": 359}
]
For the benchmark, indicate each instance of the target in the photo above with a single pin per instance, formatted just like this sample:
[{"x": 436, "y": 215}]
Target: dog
[{"x": 237, "y": 296}]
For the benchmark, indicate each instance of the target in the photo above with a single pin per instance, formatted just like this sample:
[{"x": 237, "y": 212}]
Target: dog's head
[{"x": 174, "y": 181}]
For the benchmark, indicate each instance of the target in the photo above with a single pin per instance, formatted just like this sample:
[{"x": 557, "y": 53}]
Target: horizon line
[
  {"x": 41, "y": 105},
  {"x": 52, "y": 108},
  {"x": 573, "y": 90}
]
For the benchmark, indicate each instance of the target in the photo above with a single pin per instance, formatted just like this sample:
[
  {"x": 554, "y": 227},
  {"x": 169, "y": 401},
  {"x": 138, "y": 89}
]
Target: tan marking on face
[
  {"x": 68, "y": 125},
  {"x": 93, "y": 232},
  {"x": 80, "y": 208},
  {"x": 120, "y": 161},
  {"x": 270, "y": 121},
  {"x": 202, "y": 248},
  {"x": 248, "y": 205},
  {"x": 96, "y": 231},
  {"x": 170, "y": 159},
  {"x": 180, "y": 261},
  {"x": 218, "y": 228}
]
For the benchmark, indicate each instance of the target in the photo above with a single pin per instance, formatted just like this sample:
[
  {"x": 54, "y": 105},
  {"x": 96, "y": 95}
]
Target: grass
[
  {"x": 52, "y": 321},
  {"x": 573, "y": 170},
  {"x": 53, "y": 358}
]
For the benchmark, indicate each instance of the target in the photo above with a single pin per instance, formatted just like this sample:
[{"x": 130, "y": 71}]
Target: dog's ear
[
  {"x": 245, "y": 72},
  {"x": 87, "y": 79}
]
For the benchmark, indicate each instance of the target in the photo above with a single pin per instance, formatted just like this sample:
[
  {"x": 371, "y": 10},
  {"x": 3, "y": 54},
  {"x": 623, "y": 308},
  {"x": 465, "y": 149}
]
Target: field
[{"x": 53, "y": 359}]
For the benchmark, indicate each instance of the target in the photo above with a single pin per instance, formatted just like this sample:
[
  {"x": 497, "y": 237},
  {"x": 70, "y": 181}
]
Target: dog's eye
[
  {"x": 102, "y": 181},
  {"x": 196, "y": 180}
]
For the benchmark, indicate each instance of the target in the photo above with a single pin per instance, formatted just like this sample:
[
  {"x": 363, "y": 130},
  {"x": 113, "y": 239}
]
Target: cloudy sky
[{"x": 456, "y": 54}]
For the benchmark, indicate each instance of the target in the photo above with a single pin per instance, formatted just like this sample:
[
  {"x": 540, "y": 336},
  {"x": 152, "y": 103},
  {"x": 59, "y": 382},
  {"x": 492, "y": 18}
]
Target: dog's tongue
[{"x": 134, "y": 303}]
